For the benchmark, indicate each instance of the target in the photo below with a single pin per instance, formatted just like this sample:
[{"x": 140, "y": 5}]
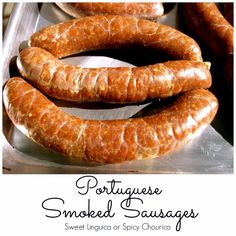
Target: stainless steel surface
[
  {"x": 19, "y": 29},
  {"x": 207, "y": 153}
]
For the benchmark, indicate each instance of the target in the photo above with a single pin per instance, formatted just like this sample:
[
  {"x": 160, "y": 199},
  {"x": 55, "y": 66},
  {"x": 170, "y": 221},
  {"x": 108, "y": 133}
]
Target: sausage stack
[{"x": 110, "y": 141}]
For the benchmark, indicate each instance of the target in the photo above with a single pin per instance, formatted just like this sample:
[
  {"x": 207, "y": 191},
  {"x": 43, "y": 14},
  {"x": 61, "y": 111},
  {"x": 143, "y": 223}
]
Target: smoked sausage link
[
  {"x": 115, "y": 85},
  {"x": 210, "y": 27},
  {"x": 148, "y": 10},
  {"x": 107, "y": 141},
  {"x": 101, "y": 32}
]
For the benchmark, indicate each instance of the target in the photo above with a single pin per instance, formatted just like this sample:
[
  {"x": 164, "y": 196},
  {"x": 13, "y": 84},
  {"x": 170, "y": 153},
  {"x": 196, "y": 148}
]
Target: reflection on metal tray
[{"x": 208, "y": 153}]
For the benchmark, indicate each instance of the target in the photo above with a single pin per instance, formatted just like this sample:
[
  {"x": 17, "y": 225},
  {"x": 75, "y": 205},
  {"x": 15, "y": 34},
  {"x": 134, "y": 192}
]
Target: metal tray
[{"x": 207, "y": 153}]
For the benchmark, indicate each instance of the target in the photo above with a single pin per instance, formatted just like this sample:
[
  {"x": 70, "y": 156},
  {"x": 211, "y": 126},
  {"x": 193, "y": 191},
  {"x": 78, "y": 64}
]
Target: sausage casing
[
  {"x": 210, "y": 27},
  {"x": 114, "y": 85},
  {"x": 147, "y": 10},
  {"x": 100, "y": 32},
  {"x": 107, "y": 141}
]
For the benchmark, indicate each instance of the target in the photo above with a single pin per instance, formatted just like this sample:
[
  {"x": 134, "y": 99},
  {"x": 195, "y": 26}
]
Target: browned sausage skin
[
  {"x": 108, "y": 141},
  {"x": 209, "y": 26},
  {"x": 99, "y": 32},
  {"x": 148, "y": 10},
  {"x": 114, "y": 85}
]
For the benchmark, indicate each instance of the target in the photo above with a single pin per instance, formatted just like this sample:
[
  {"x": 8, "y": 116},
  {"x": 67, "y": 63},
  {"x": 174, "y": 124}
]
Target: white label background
[{"x": 213, "y": 197}]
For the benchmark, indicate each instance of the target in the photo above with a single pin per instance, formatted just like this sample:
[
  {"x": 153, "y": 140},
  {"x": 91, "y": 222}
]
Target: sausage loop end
[{"x": 208, "y": 64}]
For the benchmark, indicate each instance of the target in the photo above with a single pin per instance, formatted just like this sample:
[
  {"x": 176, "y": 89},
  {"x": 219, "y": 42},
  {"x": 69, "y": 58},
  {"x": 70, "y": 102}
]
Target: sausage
[
  {"x": 107, "y": 141},
  {"x": 114, "y": 85},
  {"x": 211, "y": 28},
  {"x": 148, "y": 10},
  {"x": 100, "y": 32}
]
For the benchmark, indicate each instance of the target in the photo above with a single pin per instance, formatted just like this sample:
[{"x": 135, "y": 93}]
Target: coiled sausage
[
  {"x": 114, "y": 85},
  {"x": 99, "y": 32},
  {"x": 209, "y": 25},
  {"x": 108, "y": 141},
  {"x": 148, "y": 10}
]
